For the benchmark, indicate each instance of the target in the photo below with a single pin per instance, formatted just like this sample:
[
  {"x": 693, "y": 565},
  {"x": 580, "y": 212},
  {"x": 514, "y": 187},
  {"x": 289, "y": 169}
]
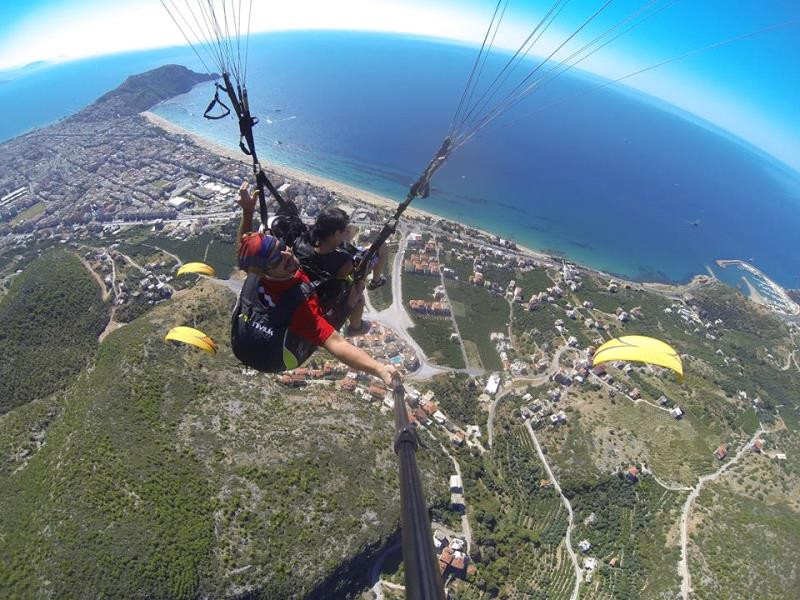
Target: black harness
[{"x": 260, "y": 335}]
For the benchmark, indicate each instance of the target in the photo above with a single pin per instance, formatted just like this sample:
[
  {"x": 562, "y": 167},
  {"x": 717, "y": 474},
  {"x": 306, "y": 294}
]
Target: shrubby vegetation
[
  {"x": 167, "y": 474},
  {"x": 215, "y": 249},
  {"x": 631, "y": 521},
  {"x": 484, "y": 313},
  {"x": 49, "y": 323},
  {"x": 457, "y": 399}
]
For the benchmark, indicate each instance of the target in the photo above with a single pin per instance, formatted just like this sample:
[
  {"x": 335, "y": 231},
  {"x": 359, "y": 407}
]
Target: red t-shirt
[{"x": 307, "y": 321}]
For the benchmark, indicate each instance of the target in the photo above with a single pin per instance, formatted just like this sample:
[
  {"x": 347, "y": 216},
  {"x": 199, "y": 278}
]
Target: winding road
[
  {"x": 567, "y": 505},
  {"x": 683, "y": 565}
]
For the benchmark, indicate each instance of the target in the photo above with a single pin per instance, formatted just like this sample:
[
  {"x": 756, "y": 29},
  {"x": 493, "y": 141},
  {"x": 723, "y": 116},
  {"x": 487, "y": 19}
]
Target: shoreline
[
  {"x": 351, "y": 192},
  {"x": 341, "y": 189}
]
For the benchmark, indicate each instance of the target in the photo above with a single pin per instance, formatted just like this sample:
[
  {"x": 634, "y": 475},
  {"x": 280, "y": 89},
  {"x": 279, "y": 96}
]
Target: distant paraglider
[
  {"x": 192, "y": 337},
  {"x": 639, "y": 348},
  {"x": 198, "y": 268}
]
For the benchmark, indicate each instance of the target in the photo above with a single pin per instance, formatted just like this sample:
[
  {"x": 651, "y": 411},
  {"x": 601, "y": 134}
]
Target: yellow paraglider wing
[
  {"x": 197, "y": 267},
  {"x": 193, "y": 337},
  {"x": 641, "y": 349}
]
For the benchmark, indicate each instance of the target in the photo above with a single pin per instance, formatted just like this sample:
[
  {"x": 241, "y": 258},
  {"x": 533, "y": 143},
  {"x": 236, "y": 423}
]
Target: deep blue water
[{"x": 612, "y": 179}]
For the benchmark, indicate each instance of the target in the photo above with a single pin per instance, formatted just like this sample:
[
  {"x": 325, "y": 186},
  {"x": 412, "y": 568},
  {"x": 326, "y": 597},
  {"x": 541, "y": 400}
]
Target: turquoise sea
[{"x": 613, "y": 179}]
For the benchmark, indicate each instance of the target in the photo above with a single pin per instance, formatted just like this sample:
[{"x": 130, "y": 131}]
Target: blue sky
[{"x": 751, "y": 87}]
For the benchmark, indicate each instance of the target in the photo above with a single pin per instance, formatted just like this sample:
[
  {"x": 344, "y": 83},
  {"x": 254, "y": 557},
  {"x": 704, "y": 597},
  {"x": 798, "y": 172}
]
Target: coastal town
[{"x": 513, "y": 331}]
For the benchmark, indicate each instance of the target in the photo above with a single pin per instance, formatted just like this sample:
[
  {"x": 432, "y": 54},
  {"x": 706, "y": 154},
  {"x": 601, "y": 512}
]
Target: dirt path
[
  {"x": 134, "y": 263},
  {"x": 683, "y": 565},
  {"x": 175, "y": 257},
  {"x": 604, "y": 383},
  {"x": 567, "y": 505},
  {"x": 668, "y": 486},
  {"x": 105, "y": 292},
  {"x": 375, "y": 573},
  {"x": 112, "y": 325}
]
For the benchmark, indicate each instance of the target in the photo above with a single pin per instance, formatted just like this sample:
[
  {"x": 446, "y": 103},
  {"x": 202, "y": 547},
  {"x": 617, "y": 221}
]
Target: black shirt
[{"x": 316, "y": 264}]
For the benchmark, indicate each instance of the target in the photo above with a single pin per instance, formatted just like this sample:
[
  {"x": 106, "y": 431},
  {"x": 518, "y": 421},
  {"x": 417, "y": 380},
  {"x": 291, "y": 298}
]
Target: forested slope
[
  {"x": 49, "y": 323},
  {"x": 170, "y": 474}
]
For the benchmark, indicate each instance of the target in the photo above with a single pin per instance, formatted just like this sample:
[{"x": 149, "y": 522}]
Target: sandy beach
[{"x": 337, "y": 187}]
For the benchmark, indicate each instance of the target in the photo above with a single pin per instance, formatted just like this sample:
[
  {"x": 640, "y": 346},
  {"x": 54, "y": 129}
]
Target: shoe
[
  {"x": 365, "y": 327},
  {"x": 374, "y": 284}
]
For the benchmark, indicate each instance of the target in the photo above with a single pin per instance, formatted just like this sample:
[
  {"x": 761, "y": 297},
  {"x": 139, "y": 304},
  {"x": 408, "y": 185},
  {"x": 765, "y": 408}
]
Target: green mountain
[
  {"x": 166, "y": 473},
  {"x": 142, "y": 92}
]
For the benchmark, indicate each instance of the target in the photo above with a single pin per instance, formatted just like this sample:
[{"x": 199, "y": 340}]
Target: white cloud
[{"x": 91, "y": 28}]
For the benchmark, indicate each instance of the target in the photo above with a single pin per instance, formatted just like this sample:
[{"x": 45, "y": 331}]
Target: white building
[
  {"x": 676, "y": 412},
  {"x": 493, "y": 384},
  {"x": 473, "y": 431},
  {"x": 584, "y": 546},
  {"x": 455, "y": 484},
  {"x": 179, "y": 202}
]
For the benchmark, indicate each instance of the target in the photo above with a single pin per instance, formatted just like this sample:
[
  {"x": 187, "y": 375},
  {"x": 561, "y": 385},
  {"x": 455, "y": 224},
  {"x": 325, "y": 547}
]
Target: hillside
[
  {"x": 741, "y": 384},
  {"x": 167, "y": 473},
  {"x": 49, "y": 322},
  {"x": 142, "y": 92}
]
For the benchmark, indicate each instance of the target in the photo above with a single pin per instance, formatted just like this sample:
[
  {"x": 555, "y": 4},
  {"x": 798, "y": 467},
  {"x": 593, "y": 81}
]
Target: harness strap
[
  {"x": 207, "y": 114},
  {"x": 419, "y": 189},
  {"x": 247, "y": 144}
]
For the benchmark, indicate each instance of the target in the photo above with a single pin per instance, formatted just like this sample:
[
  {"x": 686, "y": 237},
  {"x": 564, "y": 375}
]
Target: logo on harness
[{"x": 265, "y": 331}]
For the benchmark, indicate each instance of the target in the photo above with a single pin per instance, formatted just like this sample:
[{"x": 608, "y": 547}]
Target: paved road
[
  {"x": 671, "y": 291},
  {"x": 492, "y": 408},
  {"x": 397, "y": 319},
  {"x": 683, "y": 565},
  {"x": 234, "y": 285},
  {"x": 567, "y": 505}
]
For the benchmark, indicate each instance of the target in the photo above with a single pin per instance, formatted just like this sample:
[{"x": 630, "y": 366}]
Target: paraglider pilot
[{"x": 279, "y": 278}]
